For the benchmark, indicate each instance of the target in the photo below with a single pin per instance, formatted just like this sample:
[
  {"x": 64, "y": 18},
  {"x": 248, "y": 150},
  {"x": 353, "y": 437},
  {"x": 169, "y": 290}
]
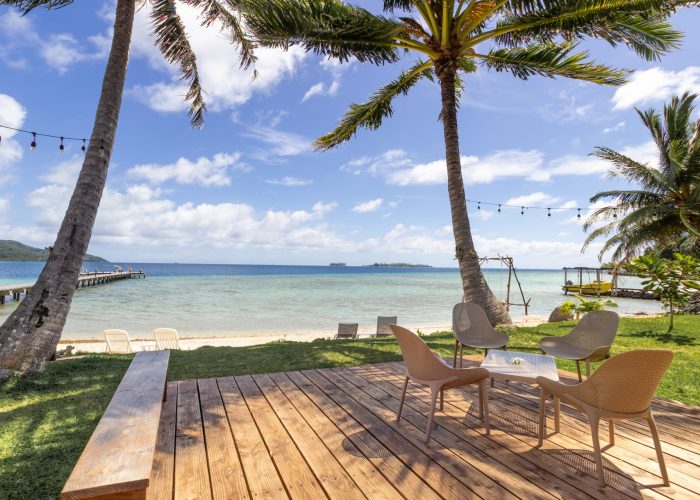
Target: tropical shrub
[{"x": 584, "y": 306}]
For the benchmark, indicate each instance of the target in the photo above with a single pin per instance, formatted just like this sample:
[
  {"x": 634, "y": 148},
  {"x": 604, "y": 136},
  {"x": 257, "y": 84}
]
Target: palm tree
[
  {"x": 29, "y": 336},
  {"x": 451, "y": 38},
  {"x": 665, "y": 207}
]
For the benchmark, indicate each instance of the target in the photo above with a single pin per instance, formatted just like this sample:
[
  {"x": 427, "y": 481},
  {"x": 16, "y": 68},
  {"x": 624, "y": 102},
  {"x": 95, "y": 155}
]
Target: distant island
[
  {"x": 396, "y": 264},
  {"x": 16, "y": 251},
  {"x": 337, "y": 264}
]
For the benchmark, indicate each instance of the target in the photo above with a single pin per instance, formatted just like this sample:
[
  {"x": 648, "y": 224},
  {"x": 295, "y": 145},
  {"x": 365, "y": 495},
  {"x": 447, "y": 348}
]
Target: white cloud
[
  {"x": 391, "y": 159},
  {"x": 279, "y": 143},
  {"x": 656, "y": 84},
  {"x": 58, "y": 50},
  {"x": 202, "y": 171},
  {"x": 12, "y": 114},
  {"x": 615, "y": 128},
  {"x": 484, "y": 214},
  {"x": 368, "y": 206},
  {"x": 225, "y": 83},
  {"x": 539, "y": 199},
  {"x": 530, "y": 165},
  {"x": 320, "y": 88},
  {"x": 290, "y": 181}
]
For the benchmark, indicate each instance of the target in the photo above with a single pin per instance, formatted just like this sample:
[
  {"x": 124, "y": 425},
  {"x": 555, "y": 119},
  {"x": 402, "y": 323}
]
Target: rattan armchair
[
  {"x": 425, "y": 368},
  {"x": 621, "y": 389},
  {"x": 590, "y": 340}
]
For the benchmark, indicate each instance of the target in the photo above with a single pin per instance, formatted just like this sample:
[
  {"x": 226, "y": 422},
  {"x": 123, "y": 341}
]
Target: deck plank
[
  {"x": 225, "y": 469},
  {"x": 331, "y": 433},
  {"x": 163, "y": 473},
  {"x": 262, "y": 477},
  {"x": 365, "y": 475},
  {"x": 394, "y": 470},
  {"x": 191, "y": 471},
  {"x": 335, "y": 481},
  {"x": 293, "y": 469}
]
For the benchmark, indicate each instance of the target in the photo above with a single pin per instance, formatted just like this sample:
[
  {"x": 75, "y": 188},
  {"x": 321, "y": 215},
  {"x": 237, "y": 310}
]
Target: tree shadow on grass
[
  {"x": 679, "y": 339},
  {"x": 47, "y": 419}
]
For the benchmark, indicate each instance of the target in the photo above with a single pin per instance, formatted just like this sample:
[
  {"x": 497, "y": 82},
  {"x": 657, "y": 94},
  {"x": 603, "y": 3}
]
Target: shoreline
[{"x": 96, "y": 345}]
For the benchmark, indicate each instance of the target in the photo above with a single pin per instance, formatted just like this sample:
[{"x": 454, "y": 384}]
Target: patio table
[{"x": 526, "y": 368}]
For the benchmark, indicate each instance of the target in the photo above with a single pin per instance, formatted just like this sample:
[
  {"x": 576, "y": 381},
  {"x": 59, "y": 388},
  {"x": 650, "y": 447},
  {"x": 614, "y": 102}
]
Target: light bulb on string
[
  {"x": 33, "y": 144},
  {"x": 579, "y": 213},
  {"x": 522, "y": 210},
  {"x": 83, "y": 148},
  {"x": 478, "y": 206},
  {"x": 614, "y": 214},
  {"x": 61, "y": 147},
  {"x": 549, "y": 212},
  {"x": 499, "y": 208}
]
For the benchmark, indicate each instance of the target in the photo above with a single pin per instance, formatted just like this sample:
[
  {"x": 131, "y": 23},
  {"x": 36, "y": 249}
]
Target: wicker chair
[
  {"x": 347, "y": 331},
  {"x": 621, "y": 389},
  {"x": 383, "y": 324},
  {"x": 590, "y": 340},
  {"x": 472, "y": 328},
  {"x": 425, "y": 368}
]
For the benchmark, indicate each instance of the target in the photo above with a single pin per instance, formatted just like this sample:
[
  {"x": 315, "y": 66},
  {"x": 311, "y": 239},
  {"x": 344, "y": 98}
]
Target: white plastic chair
[
  {"x": 118, "y": 342},
  {"x": 166, "y": 338}
]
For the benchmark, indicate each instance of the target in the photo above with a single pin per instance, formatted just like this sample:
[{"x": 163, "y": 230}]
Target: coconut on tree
[
  {"x": 449, "y": 40},
  {"x": 29, "y": 336},
  {"x": 663, "y": 208}
]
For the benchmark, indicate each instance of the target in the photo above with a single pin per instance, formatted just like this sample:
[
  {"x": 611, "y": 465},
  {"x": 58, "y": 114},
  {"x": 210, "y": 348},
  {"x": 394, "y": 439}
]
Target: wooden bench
[{"x": 117, "y": 460}]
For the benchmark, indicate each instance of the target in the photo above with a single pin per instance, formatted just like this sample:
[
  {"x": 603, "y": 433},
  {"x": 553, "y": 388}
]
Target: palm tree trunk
[
  {"x": 28, "y": 338},
  {"x": 475, "y": 287}
]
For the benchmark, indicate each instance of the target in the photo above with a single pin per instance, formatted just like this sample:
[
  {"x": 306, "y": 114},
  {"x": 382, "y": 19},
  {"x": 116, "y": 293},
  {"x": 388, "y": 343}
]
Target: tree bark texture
[
  {"x": 476, "y": 289},
  {"x": 29, "y": 336}
]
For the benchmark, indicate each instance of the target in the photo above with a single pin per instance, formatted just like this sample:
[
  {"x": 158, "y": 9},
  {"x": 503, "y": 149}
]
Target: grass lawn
[{"x": 46, "y": 421}]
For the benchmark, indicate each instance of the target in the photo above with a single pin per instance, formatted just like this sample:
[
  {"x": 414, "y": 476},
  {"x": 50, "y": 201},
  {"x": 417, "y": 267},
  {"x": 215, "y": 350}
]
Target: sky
[{"x": 248, "y": 187}]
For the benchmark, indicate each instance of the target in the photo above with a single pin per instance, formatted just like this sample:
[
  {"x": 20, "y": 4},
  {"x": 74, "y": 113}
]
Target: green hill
[{"x": 14, "y": 250}]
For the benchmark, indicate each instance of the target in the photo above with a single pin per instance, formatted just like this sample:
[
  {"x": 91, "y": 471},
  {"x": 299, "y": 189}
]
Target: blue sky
[{"x": 248, "y": 188}]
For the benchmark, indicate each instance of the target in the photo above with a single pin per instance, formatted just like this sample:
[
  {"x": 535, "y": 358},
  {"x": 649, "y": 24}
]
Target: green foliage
[
  {"x": 47, "y": 420},
  {"x": 673, "y": 280},
  {"x": 16, "y": 251},
  {"x": 523, "y": 37},
  {"x": 585, "y": 306},
  {"x": 665, "y": 209}
]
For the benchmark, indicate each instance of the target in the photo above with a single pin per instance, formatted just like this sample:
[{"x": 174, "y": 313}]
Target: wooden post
[
  {"x": 566, "y": 281},
  {"x": 509, "y": 263}
]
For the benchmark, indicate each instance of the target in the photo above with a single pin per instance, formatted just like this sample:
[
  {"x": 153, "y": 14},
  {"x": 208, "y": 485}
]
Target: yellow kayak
[{"x": 590, "y": 288}]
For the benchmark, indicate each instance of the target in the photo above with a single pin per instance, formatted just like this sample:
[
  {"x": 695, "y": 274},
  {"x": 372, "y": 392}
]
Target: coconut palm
[
  {"x": 665, "y": 208},
  {"x": 28, "y": 338},
  {"x": 451, "y": 39}
]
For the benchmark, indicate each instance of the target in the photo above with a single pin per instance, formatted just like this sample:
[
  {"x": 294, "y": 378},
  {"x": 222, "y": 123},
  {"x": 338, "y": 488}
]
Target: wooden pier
[{"x": 18, "y": 291}]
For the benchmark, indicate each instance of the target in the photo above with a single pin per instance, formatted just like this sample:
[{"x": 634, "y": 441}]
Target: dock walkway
[{"x": 17, "y": 291}]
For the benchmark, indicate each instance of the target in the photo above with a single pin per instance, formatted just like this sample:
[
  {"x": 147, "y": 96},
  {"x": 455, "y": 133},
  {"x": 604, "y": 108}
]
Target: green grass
[{"x": 45, "y": 421}]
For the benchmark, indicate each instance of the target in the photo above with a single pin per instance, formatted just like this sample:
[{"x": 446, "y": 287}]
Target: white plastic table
[{"x": 500, "y": 364}]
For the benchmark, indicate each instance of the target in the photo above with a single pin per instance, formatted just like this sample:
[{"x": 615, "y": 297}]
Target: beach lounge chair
[
  {"x": 118, "y": 342},
  {"x": 166, "y": 338},
  {"x": 425, "y": 368},
  {"x": 472, "y": 328},
  {"x": 621, "y": 389},
  {"x": 383, "y": 325},
  {"x": 590, "y": 340},
  {"x": 347, "y": 331}
]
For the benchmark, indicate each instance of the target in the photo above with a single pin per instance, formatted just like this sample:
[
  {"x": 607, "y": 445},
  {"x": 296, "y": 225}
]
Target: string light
[
  {"x": 478, "y": 205},
  {"x": 61, "y": 138},
  {"x": 499, "y": 208},
  {"x": 522, "y": 210},
  {"x": 579, "y": 213},
  {"x": 549, "y": 212}
]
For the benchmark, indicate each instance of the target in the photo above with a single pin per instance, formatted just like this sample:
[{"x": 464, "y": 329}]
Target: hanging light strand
[
  {"x": 34, "y": 143},
  {"x": 523, "y": 208}
]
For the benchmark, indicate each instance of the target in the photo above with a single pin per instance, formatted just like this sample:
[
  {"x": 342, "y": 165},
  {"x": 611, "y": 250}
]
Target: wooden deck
[{"x": 331, "y": 433}]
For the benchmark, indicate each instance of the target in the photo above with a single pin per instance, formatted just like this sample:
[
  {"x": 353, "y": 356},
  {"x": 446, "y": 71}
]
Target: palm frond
[
  {"x": 216, "y": 11},
  {"x": 392, "y": 5},
  {"x": 327, "y": 27},
  {"x": 371, "y": 113},
  {"x": 26, "y": 6},
  {"x": 171, "y": 39},
  {"x": 639, "y": 24},
  {"x": 626, "y": 167},
  {"x": 551, "y": 60}
]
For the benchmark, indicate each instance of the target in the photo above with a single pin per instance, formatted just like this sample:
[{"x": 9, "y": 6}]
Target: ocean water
[{"x": 240, "y": 300}]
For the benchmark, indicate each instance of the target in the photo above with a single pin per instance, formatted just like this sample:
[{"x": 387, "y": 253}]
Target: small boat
[{"x": 592, "y": 288}]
